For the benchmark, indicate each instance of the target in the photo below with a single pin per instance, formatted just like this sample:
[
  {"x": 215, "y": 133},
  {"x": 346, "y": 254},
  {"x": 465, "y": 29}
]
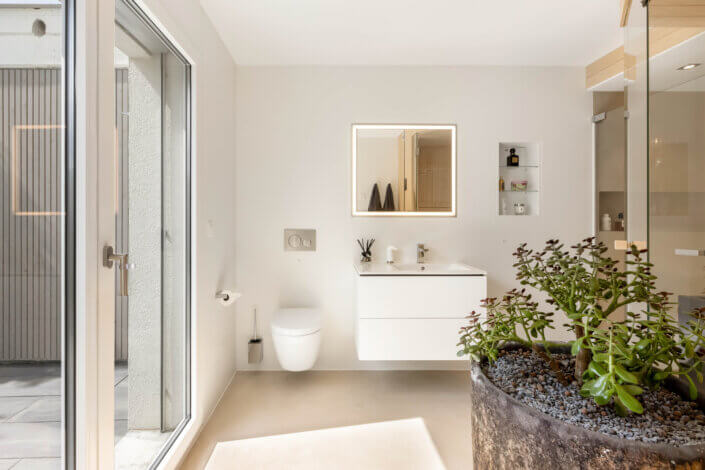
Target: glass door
[
  {"x": 636, "y": 105},
  {"x": 676, "y": 176},
  {"x": 37, "y": 236},
  {"x": 610, "y": 173},
  {"x": 151, "y": 255}
]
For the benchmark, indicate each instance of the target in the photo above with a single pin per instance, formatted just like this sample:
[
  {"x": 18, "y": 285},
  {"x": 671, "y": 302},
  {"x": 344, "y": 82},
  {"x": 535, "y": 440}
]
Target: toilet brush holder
[{"x": 255, "y": 351}]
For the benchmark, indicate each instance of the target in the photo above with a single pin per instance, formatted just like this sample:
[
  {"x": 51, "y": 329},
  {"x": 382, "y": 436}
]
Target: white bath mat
[{"x": 389, "y": 445}]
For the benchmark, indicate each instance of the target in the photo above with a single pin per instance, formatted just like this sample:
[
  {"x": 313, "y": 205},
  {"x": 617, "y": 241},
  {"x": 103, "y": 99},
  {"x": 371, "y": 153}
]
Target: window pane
[
  {"x": 31, "y": 235},
  {"x": 151, "y": 330}
]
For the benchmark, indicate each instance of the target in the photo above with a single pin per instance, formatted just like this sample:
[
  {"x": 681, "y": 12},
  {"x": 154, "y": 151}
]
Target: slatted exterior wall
[
  {"x": 31, "y": 220},
  {"x": 121, "y": 223},
  {"x": 30, "y": 214}
]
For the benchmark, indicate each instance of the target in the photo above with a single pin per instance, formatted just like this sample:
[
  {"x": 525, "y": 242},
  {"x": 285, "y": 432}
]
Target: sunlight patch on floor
[{"x": 388, "y": 445}]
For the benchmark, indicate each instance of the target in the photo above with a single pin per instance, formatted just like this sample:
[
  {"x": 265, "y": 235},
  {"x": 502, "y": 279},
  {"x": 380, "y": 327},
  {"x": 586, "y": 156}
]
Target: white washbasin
[
  {"x": 417, "y": 269},
  {"x": 413, "y": 312}
]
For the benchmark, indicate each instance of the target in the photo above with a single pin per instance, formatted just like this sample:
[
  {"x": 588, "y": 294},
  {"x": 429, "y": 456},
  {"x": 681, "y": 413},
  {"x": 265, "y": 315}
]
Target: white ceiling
[{"x": 414, "y": 32}]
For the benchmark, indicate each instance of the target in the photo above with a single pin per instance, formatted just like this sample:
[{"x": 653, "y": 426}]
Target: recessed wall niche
[{"x": 519, "y": 180}]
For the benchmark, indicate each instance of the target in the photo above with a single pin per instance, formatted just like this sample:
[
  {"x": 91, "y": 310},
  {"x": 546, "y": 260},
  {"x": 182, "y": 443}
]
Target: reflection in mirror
[{"x": 403, "y": 170}]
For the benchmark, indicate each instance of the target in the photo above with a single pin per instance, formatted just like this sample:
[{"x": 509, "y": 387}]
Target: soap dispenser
[{"x": 390, "y": 254}]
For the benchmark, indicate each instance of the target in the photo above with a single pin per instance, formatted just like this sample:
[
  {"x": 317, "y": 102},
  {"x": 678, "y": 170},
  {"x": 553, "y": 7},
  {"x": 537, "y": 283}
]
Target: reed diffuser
[{"x": 366, "y": 247}]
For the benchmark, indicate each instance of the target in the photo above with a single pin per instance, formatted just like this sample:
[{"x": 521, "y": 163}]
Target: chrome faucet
[{"x": 420, "y": 253}]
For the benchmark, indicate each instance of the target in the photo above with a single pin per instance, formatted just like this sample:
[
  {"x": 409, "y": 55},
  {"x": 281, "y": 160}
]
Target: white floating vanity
[{"x": 413, "y": 312}]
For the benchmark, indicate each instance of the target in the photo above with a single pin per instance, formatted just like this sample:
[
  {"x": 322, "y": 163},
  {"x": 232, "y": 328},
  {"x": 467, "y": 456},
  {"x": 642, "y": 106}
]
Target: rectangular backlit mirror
[{"x": 403, "y": 170}]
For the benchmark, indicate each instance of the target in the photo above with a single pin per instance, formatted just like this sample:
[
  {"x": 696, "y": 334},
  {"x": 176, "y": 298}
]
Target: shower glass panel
[
  {"x": 610, "y": 170},
  {"x": 636, "y": 105},
  {"x": 36, "y": 249},
  {"x": 152, "y": 307},
  {"x": 677, "y": 160}
]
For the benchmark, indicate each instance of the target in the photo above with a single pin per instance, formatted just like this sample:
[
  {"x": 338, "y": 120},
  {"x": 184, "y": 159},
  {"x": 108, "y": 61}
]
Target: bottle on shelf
[
  {"x": 501, "y": 184},
  {"x": 606, "y": 223},
  {"x": 620, "y": 222},
  {"x": 512, "y": 158}
]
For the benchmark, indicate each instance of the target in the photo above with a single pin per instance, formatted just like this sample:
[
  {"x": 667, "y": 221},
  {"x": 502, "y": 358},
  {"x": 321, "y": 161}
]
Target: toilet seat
[{"x": 296, "y": 321}]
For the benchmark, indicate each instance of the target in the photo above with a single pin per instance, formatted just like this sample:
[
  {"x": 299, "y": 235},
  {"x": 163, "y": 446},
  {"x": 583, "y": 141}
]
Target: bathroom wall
[{"x": 293, "y": 127}]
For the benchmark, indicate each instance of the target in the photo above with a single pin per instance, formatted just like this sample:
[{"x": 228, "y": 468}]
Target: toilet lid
[{"x": 296, "y": 321}]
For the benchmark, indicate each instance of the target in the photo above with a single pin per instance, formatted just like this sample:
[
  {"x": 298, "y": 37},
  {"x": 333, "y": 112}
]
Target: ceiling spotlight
[{"x": 688, "y": 66}]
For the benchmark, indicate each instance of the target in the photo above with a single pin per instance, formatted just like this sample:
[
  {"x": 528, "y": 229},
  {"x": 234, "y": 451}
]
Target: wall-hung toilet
[{"x": 296, "y": 334}]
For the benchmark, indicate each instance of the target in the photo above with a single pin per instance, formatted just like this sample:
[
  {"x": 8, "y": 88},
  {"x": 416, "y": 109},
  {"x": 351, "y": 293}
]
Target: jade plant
[{"x": 625, "y": 338}]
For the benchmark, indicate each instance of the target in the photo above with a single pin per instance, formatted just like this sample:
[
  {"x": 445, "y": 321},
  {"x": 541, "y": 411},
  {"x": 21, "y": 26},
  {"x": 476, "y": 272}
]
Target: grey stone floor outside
[{"x": 30, "y": 415}]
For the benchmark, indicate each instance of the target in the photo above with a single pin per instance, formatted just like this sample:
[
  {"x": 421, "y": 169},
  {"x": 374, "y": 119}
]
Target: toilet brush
[{"x": 254, "y": 346}]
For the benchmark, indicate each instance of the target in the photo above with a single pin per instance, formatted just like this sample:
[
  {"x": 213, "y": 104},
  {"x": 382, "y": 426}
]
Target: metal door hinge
[{"x": 599, "y": 117}]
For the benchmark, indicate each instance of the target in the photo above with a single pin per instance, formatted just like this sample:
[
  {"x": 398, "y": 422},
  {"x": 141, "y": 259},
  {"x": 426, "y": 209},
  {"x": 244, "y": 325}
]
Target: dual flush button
[{"x": 299, "y": 239}]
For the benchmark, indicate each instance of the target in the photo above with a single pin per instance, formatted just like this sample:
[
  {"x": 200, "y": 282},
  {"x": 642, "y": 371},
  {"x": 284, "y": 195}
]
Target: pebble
[{"x": 666, "y": 419}]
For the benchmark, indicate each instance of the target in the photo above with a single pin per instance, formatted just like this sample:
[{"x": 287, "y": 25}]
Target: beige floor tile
[{"x": 270, "y": 403}]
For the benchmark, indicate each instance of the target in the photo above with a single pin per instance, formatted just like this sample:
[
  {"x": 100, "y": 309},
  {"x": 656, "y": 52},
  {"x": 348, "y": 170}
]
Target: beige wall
[{"x": 305, "y": 113}]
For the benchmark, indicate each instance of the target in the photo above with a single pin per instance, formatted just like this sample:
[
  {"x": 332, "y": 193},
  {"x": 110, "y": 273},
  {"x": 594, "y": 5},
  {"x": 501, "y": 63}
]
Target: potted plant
[{"x": 608, "y": 398}]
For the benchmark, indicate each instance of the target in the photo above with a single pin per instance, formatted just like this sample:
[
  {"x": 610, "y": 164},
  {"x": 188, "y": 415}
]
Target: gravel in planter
[{"x": 667, "y": 418}]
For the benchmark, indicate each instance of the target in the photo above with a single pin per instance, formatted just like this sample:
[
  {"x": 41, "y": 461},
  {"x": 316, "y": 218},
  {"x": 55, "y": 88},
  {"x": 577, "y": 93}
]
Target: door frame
[
  {"x": 94, "y": 41},
  {"x": 151, "y": 22},
  {"x": 69, "y": 316},
  {"x": 95, "y": 228}
]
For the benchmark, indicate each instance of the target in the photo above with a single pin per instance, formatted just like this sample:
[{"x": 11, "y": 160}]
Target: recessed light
[{"x": 688, "y": 66}]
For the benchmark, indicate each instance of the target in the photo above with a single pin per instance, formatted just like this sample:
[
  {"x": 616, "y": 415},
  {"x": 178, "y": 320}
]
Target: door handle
[
  {"x": 687, "y": 252},
  {"x": 623, "y": 245},
  {"x": 110, "y": 258}
]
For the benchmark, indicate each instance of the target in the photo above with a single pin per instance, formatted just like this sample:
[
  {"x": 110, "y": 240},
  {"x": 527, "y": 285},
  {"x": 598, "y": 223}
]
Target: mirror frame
[{"x": 453, "y": 176}]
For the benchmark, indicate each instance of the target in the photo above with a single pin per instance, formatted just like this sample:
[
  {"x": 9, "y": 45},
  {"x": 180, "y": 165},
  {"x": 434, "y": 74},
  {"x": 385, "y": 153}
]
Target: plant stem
[{"x": 582, "y": 360}]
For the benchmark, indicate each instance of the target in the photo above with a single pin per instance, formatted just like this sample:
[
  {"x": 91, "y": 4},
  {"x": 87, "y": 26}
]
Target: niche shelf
[{"x": 529, "y": 170}]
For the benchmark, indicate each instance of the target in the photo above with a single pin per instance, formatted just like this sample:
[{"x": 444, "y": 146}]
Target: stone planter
[{"x": 506, "y": 434}]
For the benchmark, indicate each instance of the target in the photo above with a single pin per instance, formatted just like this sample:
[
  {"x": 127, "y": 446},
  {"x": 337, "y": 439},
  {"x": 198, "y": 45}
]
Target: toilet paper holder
[{"x": 226, "y": 297}]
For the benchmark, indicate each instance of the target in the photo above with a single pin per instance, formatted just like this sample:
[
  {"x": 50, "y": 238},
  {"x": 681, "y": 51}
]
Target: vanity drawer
[
  {"x": 408, "y": 339},
  {"x": 419, "y": 296}
]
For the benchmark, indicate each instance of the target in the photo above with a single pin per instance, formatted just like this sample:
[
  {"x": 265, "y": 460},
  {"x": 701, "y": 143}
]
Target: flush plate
[{"x": 296, "y": 239}]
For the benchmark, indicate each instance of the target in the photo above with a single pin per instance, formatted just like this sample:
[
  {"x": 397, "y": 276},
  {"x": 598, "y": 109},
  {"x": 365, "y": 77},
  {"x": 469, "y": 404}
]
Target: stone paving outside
[{"x": 30, "y": 415}]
